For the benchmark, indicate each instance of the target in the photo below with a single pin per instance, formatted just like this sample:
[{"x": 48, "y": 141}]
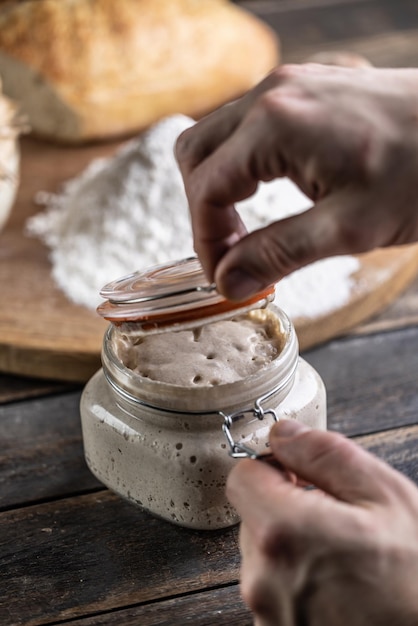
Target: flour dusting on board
[{"x": 129, "y": 211}]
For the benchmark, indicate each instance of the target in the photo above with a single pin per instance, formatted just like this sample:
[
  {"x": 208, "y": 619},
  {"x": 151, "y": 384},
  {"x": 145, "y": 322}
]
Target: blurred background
[{"x": 95, "y": 94}]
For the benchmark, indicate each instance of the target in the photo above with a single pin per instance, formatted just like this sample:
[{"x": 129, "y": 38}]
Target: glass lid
[{"x": 174, "y": 292}]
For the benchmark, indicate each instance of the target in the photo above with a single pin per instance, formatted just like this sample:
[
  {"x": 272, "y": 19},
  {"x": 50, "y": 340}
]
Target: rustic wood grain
[
  {"x": 218, "y": 606},
  {"x": 41, "y": 454},
  {"x": 13, "y": 388},
  {"x": 397, "y": 447},
  {"x": 96, "y": 553},
  {"x": 371, "y": 381}
]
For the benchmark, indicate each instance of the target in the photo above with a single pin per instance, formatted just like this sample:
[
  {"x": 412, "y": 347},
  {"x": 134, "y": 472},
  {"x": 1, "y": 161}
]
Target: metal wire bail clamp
[{"x": 240, "y": 450}]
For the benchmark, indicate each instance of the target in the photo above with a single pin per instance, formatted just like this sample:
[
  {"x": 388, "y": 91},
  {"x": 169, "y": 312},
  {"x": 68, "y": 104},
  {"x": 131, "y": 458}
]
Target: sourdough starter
[
  {"x": 152, "y": 417},
  {"x": 216, "y": 354}
]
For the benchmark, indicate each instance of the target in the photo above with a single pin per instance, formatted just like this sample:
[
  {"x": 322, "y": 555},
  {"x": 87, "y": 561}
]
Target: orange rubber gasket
[{"x": 155, "y": 319}]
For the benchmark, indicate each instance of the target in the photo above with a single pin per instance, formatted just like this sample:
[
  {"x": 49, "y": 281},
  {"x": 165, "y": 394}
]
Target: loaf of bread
[
  {"x": 11, "y": 125},
  {"x": 93, "y": 69}
]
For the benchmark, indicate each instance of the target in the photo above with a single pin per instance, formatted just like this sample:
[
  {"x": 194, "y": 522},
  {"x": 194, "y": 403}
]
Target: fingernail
[
  {"x": 239, "y": 285},
  {"x": 288, "y": 428}
]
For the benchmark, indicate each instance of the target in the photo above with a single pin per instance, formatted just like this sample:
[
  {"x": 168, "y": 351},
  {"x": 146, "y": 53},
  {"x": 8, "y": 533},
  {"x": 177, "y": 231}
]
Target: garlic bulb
[{"x": 10, "y": 128}]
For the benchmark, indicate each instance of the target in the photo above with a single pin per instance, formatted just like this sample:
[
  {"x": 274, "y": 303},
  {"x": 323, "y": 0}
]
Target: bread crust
[{"x": 117, "y": 67}]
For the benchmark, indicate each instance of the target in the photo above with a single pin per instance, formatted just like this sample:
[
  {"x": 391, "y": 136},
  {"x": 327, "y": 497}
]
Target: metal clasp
[{"x": 240, "y": 450}]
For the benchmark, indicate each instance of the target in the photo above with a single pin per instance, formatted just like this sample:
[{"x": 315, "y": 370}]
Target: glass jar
[{"x": 169, "y": 448}]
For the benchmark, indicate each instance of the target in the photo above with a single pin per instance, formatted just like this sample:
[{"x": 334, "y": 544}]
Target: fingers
[
  {"x": 219, "y": 226},
  {"x": 332, "y": 227},
  {"x": 351, "y": 482},
  {"x": 334, "y": 464},
  {"x": 279, "y": 514},
  {"x": 334, "y": 132},
  {"x": 305, "y": 556},
  {"x": 266, "y": 255},
  {"x": 276, "y": 130},
  {"x": 194, "y": 145},
  {"x": 228, "y": 170},
  {"x": 221, "y": 164},
  {"x": 266, "y": 588}
]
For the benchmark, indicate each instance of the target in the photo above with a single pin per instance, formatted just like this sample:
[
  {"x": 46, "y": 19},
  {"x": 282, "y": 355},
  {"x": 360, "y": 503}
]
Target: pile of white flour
[{"x": 129, "y": 211}]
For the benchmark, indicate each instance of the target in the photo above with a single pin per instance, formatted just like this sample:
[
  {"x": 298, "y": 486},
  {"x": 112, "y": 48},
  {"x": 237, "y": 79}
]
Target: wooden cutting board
[{"x": 43, "y": 334}]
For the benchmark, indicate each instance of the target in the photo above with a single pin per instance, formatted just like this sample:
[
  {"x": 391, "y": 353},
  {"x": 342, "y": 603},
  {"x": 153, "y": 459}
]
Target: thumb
[
  {"x": 266, "y": 255},
  {"x": 333, "y": 463}
]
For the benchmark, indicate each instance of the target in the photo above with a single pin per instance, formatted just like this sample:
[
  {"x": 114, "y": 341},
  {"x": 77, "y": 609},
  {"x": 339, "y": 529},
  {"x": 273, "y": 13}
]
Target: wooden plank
[
  {"x": 371, "y": 381},
  {"x": 217, "y": 606},
  {"x": 96, "y": 553},
  {"x": 41, "y": 455},
  {"x": 398, "y": 447},
  {"x": 13, "y": 388}
]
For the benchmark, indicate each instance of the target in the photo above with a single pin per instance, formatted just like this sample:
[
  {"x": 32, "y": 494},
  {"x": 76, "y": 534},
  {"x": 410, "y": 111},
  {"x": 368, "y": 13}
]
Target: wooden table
[{"x": 73, "y": 552}]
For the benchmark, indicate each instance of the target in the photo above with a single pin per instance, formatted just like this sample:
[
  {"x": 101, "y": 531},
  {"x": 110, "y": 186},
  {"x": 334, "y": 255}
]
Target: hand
[
  {"x": 345, "y": 554},
  {"x": 348, "y": 137}
]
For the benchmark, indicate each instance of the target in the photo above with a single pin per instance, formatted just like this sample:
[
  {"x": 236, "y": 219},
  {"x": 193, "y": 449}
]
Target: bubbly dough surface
[{"x": 215, "y": 354}]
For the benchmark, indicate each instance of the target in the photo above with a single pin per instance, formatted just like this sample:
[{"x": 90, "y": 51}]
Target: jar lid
[{"x": 171, "y": 293}]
